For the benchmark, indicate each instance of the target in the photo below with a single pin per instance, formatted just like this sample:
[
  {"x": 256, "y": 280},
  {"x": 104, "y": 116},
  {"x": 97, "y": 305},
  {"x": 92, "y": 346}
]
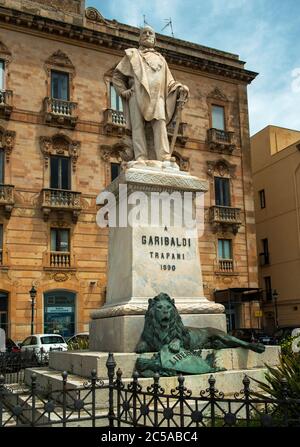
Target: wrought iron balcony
[
  {"x": 61, "y": 200},
  {"x": 220, "y": 140},
  {"x": 182, "y": 134},
  {"x": 226, "y": 216},
  {"x": 114, "y": 122},
  {"x": 6, "y": 103},
  {"x": 60, "y": 112},
  {"x": 7, "y": 198}
]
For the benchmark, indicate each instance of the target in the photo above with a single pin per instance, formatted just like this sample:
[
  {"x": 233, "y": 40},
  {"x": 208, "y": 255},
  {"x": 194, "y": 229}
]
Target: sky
[{"x": 264, "y": 33}]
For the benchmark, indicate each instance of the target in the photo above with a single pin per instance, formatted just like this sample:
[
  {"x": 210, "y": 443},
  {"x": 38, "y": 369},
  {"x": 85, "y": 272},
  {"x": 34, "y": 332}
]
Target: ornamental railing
[
  {"x": 61, "y": 198},
  {"x": 225, "y": 266},
  {"x": 60, "y": 111},
  {"x": 6, "y": 97},
  {"x": 60, "y": 259},
  {"x": 115, "y": 402},
  {"x": 225, "y": 214},
  {"x": 6, "y": 194},
  {"x": 221, "y": 140}
]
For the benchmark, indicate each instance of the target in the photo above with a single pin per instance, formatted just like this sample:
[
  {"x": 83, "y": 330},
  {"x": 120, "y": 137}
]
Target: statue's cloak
[{"x": 154, "y": 87}]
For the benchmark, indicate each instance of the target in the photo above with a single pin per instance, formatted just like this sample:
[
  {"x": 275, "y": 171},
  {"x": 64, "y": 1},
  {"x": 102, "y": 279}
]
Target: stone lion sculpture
[{"x": 163, "y": 326}]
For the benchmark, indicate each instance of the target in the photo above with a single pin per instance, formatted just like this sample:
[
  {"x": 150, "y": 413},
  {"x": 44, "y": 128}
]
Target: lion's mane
[{"x": 153, "y": 334}]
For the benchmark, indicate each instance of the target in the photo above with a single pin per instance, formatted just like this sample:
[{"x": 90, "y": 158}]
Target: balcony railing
[
  {"x": 61, "y": 200},
  {"x": 7, "y": 198},
  {"x": 220, "y": 140},
  {"x": 60, "y": 111},
  {"x": 226, "y": 216},
  {"x": 60, "y": 259},
  {"x": 114, "y": 121},
  {"x": 6, "y": 103},
  {"x": 225, "y": 266}
]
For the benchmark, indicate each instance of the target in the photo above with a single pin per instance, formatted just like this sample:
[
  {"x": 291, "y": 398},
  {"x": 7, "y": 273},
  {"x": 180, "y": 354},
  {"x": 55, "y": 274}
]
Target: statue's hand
[
  {"x": 126, "y": 94},
  {"x": 184, "y": 93}
]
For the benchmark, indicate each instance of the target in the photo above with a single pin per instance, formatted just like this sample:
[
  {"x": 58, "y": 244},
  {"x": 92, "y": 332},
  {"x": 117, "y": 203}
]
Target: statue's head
[
  {"x": 147, "y": 37},
  {"x": 162, "y": 309}
]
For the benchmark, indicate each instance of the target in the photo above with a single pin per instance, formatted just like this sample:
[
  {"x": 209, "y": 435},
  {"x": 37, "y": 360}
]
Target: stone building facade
[
  {"x": 276, "y": 178},
  {"x": 60, "y": 129}
]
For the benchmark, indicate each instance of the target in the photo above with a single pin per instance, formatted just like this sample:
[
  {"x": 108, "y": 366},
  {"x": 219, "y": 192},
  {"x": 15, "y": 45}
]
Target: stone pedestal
[{"x": 151, "y": 255}]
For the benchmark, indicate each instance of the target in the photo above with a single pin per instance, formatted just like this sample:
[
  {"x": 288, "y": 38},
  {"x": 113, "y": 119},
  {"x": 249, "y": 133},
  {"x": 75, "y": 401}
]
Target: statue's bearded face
[{"x": 147, "y": 37}]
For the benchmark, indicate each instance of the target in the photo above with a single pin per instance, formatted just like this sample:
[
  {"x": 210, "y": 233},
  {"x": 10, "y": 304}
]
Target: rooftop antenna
[
  {"x": 170, "y": 24},
  {"x": 145, "y": 21}
]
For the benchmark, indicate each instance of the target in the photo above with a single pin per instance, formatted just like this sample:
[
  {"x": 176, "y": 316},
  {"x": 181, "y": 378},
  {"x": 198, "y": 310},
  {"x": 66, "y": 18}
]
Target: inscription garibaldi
[
  {"x": 165, "y": 334},
  {"x": 150, "y": 96}
]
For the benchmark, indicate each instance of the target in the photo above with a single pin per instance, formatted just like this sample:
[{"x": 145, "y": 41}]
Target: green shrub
[
  {"x": 80, "y": 345},
  {"x": 283, "y": 382}
]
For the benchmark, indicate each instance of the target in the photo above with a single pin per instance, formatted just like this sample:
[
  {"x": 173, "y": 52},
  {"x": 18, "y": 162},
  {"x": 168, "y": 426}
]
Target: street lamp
[
  {"x": 32, "y": 293},
  {"x": 275, "y": 298}
]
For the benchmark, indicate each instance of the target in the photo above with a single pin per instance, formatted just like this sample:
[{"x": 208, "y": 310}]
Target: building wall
[
  {"x": 277, "y": 172},
  {"x": 27, "y": 235}
]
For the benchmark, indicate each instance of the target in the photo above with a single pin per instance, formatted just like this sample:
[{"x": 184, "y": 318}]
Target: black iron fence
[
  {"x": 115, "y": 402},
  {"x": 13, "y": 364}
]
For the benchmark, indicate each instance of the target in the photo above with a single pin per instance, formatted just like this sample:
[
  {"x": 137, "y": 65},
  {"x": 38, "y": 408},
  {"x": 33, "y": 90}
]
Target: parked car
[
  {"x": 251, "y": 335},
  {"x": 42, "y": 344},
  {"x": 260, "y": 336},
  {"x": 11, "y": 346},
  {"x": 79, "y": 341}
]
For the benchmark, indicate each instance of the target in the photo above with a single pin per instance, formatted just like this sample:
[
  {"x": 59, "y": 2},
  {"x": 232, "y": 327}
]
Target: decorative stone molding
[
  {"x": 183, "y": 162},
  {"x": 61, "y": 145},
  {"x": 5, "y": 54},
  {"x": 156, "y": 180},
  {"x": 118, "y": 42},
  {"x": 94, "y": 15},
  {"x": 120, "y": 151},
  {"x": 7, "y": 142},
  {"x": 59, "y": 60},
  {"x": 205, "y": 307},
  {"x": 217, "y": 95},
  {"x": 221, "y": 168},
  {"x": 7, "y": 199}
]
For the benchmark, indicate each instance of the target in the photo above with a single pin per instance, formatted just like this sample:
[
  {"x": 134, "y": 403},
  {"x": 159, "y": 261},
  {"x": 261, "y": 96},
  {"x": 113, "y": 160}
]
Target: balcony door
[
  {"x": 60, "y": 173},
  {"x": 60, "y": 85},
  {"x": 59, "y": 313},
  {"x": 222, "y": 191}
]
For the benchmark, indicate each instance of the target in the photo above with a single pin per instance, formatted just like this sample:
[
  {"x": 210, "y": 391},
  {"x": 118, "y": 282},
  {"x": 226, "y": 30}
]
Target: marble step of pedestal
[{"x": 81, "y": 363}]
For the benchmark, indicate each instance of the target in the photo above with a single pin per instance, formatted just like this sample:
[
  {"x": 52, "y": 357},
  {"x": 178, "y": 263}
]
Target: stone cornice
[{"x": 111, "y": 40}]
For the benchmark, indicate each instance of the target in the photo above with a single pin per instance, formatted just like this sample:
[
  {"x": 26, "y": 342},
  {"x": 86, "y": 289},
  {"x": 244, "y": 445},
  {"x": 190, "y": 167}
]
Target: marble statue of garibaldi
[{"x": 149, "y": 94}]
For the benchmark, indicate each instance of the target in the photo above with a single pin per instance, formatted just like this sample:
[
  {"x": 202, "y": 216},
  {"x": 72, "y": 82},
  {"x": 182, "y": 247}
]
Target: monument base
[{"x": 122, "y": 333}]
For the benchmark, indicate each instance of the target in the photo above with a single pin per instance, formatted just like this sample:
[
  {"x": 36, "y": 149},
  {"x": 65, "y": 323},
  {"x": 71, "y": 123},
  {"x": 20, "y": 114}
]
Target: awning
[{"x": 238, "y": 295}]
